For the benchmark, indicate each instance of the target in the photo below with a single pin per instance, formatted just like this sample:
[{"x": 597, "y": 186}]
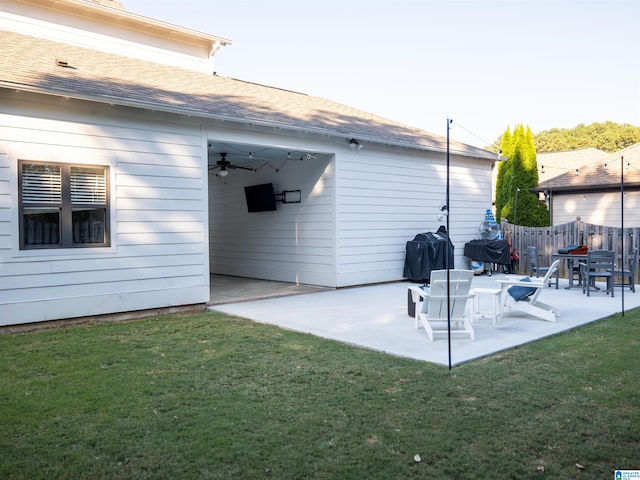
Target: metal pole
[
  {"x": 449, "y": 121},
  {"x": 515, "y": 207},
  {"x": 621, "y": 230}
]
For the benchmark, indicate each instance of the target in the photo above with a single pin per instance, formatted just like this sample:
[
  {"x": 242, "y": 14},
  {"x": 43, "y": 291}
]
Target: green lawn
[{"x": 212, "y": 396}]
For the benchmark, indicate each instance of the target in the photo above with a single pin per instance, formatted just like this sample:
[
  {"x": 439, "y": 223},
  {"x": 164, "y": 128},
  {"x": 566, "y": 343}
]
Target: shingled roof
[
  {"x": 553, "y": 164},
  {"x": 602, "y": 174},
  {"x": 47, "y": 67}
]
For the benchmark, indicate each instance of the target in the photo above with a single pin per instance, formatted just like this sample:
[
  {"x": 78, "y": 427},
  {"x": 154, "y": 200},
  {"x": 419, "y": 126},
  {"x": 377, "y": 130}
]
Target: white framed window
[{"x": 63, "y": 205}]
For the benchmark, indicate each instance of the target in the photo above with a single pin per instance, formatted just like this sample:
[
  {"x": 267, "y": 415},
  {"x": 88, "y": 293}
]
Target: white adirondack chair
[
  {"x": 431, "y": 306},
  {"x": 530, "y": 304}
]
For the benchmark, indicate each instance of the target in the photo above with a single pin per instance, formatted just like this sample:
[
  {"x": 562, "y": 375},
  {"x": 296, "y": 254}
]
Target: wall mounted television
[{"x": 260, "y": 198}]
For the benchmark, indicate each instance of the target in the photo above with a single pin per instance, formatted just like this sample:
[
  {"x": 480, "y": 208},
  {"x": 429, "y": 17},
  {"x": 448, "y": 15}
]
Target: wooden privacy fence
[{"x": 550, "y": 239}]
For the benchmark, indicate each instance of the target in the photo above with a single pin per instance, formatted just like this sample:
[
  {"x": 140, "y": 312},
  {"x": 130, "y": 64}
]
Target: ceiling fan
[{"x": 224, "y": 166}]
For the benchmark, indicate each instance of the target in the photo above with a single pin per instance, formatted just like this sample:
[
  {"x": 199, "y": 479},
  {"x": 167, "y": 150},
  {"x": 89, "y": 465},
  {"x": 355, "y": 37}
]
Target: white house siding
[
  {"x": 158, "y": 256},
  {"x": 387, "y": 196},
  {"x": 295, "y": 243},
  {"x": 121, "y": 38},
  {"x": 598, "y": 208}
]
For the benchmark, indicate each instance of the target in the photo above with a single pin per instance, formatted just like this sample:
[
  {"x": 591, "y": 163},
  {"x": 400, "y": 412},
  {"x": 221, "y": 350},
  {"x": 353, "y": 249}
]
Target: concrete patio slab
[
  {"x": 375, "y": 317},
  {"x": 230, "y": 289}
]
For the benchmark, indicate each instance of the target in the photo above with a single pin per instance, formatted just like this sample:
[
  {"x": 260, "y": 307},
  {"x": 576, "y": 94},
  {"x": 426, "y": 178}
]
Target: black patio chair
[
  {"x": 599, "y": 264},
  {"x": 628, "y": 273}
]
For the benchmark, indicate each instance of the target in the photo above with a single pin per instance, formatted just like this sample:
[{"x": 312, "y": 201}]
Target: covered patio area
[{"x": 375, "y": 317}]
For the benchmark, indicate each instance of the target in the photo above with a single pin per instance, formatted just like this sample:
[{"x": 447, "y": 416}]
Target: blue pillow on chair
[{"x": 519, "y": 292}]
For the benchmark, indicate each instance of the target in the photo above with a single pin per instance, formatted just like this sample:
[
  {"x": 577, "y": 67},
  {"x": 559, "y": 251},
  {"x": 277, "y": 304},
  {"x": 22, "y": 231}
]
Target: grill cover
[
  {"x": 426, "y": 252},
  {"x": 496, "y": 251}
]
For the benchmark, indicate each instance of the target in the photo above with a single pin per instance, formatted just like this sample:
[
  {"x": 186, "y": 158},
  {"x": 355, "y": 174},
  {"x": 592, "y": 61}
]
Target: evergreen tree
[
  {"x": 517, "y": 176},
  {"x": 502, "y": 195},
  {"x": 529, "y": 159}
]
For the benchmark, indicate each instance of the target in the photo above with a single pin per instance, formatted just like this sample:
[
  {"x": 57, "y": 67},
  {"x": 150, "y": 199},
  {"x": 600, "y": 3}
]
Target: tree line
[{"x": 606, "y": 136}]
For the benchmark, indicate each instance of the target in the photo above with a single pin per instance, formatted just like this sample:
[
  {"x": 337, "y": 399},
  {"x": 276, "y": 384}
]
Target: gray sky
[{"x": 485, "y": 64}]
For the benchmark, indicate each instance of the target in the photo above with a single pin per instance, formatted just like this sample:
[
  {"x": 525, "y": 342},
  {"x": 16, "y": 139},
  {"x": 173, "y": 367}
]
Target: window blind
[
  {"x": 41, "y": 184},
  {"x": 88, "y": 185}
]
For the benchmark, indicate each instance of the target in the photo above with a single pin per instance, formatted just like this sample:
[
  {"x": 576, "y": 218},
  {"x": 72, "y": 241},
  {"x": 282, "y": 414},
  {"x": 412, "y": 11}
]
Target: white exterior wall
[
  {"x": 597, "y": 208},
  {"x": 159, "y": 251},
  {"x": 387, "y": 196},
  {"x": 358, "y": 210}
]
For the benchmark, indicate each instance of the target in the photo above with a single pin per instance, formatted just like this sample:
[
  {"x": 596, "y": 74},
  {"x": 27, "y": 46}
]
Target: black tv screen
[{"x": 260, "y": 198}]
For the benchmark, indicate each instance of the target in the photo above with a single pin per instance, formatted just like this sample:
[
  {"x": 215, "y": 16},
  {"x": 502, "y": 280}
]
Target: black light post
[
  {"x": 622, "y": 229},
  {"x": 447, "y": 211}
]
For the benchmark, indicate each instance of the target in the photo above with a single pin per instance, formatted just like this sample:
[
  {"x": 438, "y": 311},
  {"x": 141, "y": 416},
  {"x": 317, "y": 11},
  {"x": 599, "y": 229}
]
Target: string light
[
  {"x": 545, "y": 169},
  {"x": 605, "y": 165},
  {"x": 471, "y": 133}
]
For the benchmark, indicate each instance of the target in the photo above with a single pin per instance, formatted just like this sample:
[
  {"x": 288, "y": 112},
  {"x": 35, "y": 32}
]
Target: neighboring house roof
[
  {"x": 31, "y": 64},
  {"x": 603, "y": 174},
  {"x": 553, "y": 164}
]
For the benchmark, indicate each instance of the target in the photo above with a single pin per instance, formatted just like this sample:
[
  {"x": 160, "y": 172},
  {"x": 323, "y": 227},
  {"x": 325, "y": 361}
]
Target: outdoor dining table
[{"x": 573, "y": 261}]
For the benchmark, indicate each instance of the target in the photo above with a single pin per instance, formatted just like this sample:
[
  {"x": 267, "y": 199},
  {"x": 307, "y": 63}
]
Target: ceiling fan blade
[{"x": 224, "y": 164}]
